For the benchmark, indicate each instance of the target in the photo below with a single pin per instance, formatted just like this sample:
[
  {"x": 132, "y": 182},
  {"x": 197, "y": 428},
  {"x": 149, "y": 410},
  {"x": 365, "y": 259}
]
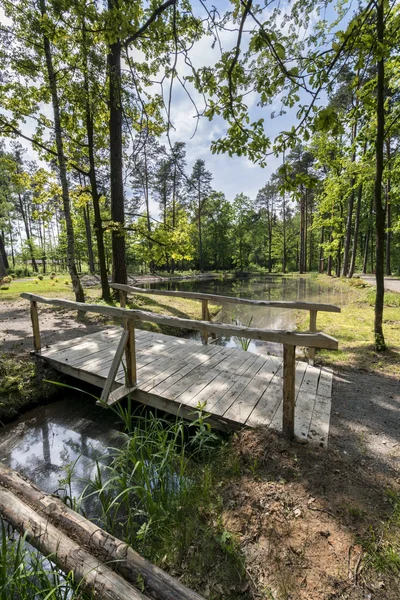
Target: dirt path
[{"x": 392, "y": 284}]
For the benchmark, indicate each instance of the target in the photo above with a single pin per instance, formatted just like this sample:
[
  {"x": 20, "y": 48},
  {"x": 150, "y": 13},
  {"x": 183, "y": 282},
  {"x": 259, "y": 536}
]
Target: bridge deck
[{"x": 176, "y": 374}]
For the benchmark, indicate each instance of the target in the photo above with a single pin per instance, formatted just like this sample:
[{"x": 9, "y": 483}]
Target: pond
[{"x": 263, "y": 287}]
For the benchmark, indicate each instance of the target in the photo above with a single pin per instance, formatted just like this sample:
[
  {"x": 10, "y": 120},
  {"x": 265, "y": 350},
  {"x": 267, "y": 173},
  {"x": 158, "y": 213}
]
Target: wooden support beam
[
  {"x": 204, "y": 317},
  {"x": 114, "y": 367},
  {"x": 35, "y": 326},
  {"x": 289, "y": 386},
  {"x": 313, "y": 327},
  {"x": 130, "y": 354}
]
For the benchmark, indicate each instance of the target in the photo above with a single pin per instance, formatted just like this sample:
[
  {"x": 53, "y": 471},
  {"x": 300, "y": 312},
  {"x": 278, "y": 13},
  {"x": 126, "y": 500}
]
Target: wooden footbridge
[{"x": 236, "y": 388}]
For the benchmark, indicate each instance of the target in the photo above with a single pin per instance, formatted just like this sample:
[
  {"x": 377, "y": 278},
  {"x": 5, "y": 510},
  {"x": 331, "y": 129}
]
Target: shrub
[
  {"x": 40, "y": 277},
  {"x": 4, "y": 287},
  {"x": 56, "y": 280},
  {"x": 6, "y": 279}
]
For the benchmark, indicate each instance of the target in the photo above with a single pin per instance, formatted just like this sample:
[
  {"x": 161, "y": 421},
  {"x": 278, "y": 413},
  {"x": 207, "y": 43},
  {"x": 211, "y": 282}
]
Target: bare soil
[{"x": 300, "y": 513}]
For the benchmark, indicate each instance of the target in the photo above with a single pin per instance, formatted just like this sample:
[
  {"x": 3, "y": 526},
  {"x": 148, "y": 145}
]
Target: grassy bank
[
  {"x": 353, "y": 327},
  {"x": 22, "y": 386}
]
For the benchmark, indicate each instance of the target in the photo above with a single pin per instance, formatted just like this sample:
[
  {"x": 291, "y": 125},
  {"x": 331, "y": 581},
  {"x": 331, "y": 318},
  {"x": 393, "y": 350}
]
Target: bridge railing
[
  {"x": 312, "y": 307},
  {"x": 289, "y": 340}
]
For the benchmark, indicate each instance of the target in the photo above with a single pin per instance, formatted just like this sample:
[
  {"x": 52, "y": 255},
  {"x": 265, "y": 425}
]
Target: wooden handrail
[
  {"x": 294, "y": 305},
  {"x": 291, "y": 338}
]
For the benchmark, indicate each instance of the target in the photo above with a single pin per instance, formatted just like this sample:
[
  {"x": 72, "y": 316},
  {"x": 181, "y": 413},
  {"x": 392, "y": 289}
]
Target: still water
[{"x": 259, "y": 288}]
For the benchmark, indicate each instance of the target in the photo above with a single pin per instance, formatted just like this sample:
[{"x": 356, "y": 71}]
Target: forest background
[{"x": 91, "y": 88}]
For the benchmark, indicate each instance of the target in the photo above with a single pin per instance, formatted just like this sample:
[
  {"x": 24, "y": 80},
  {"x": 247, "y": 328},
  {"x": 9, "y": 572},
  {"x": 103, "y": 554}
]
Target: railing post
[
  {"x": 205, "y": 316},
  {"x": 35, "y": 326},
  {"x": 289, "y": 386},
  {"x": 130, "y": 354},
  {"x": 313, "y": 327}
]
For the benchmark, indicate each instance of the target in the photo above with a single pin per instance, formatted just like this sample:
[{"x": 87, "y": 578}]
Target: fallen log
[
  {"x": 92, "y": 575},
  {"x": 119, "y": 557}
]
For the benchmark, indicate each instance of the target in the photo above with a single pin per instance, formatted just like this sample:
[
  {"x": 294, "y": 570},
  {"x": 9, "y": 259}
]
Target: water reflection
[
  {"x": 42, "y": 443},
  {"x": 260, "y": 288}
]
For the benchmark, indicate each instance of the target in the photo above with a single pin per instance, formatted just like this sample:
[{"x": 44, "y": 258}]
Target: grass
[
  {"x": 22, "y": 385},
  {"x": 353, "y": 327},
  {"x": 60, "y": 288}
]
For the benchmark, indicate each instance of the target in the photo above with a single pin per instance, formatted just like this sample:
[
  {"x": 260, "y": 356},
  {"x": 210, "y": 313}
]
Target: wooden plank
[
  {"x": 247, "y": 400},
  {"x": 197, "y": 380},
  {"x": 325, "y": 383},
  {"x": 314, "y": 340},
  {"x": 114, "y": 366},
  {"x": 267, "y": 406},
  {"x": 108, "y": 334},
  {"x": 86, "y": 352},
  {"x": 305, "y": 404},
  {"x": 35, "y": 326},
  {"x": 289, "y": 383},
  {"x": 296, "y": 305},
  {"x": 212, "y": 391},
  {"x": 310, "y": 380},
  {"x": 319, "y": 428},
  {"x": 301, "y": 368},
  {"x": 226, "y": 401}
]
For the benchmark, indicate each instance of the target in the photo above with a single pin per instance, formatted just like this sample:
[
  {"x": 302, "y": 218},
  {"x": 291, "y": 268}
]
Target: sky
[{"x": 231, "y": 175}]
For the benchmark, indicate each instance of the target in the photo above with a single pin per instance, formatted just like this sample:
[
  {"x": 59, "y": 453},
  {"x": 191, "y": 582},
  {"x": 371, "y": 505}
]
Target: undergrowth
[{"x": 160, "y": 493}]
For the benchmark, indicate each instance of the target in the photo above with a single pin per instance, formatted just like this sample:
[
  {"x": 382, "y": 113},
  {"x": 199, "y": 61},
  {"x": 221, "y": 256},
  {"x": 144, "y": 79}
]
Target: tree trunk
[
  {"x": 329, "y": 265},
  {"x": 3, "y": 251},
  {"x": 388, "y": 212},
  {"x": 302, "y": 235},
  {"x": 379, "y": 210},
  {"x": 116, "y": 175},
  {"x": 27, "y": 233},
  {"x": 356, "y": 225},
  {"x": 76, "y": 284},
  {"x": 321, "y": 251},
  {"x": 356, "y": 228},
  {"x": 201, "y": 258},
  {"x": 98, "y": 223},
  {"x": 349, "y": 222},
  {"x": 86, "y": 217},
  {"x": 3, "y": 271}
]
